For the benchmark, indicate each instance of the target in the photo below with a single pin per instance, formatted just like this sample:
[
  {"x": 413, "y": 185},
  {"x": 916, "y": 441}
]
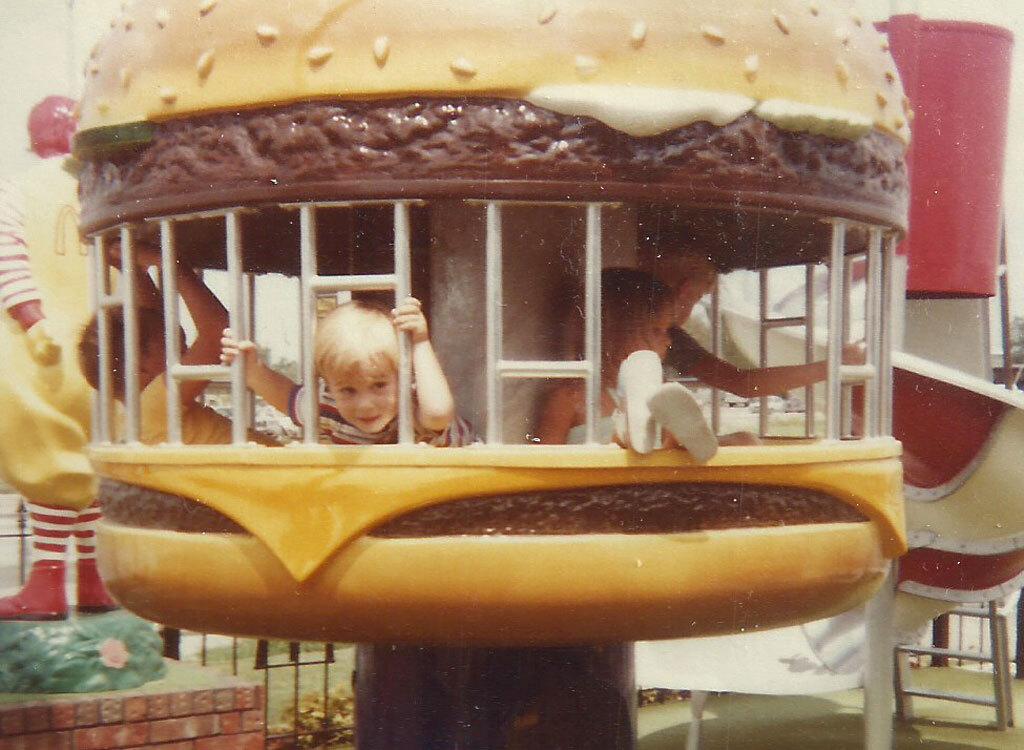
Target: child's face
[
  {"x": 367, "y": 397},
  {"x": 653, "y": 334}
]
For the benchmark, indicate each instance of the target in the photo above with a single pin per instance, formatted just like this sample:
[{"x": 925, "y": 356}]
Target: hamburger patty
[
  {"x": 479, "y": 148},
  {"x": 619, "y": 509}
]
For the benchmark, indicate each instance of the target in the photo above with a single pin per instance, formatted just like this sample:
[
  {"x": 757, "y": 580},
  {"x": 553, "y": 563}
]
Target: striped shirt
[
  {"x": 334, "y": 427},
  {"x": 16, "y": 283}
]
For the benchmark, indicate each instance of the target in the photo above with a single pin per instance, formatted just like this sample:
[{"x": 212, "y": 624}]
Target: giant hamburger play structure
[{"x": 489, "y": 157}]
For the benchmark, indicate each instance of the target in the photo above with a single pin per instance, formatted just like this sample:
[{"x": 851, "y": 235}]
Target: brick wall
[{"x": 221, "y": 718}]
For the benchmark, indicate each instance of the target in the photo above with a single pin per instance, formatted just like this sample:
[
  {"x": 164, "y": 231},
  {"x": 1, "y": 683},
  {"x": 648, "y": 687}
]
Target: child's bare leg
[
  {"x": 739, "y": 438},
  {"x": 678, "y": 411}
]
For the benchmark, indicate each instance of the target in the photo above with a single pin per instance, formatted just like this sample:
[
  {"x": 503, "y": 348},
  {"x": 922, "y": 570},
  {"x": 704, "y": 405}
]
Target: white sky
[{"x": 43, "y": 44}]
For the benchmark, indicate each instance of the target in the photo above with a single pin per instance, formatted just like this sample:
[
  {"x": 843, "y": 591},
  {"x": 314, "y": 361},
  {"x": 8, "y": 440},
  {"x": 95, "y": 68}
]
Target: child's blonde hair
[{"x": 354, "y": 336}]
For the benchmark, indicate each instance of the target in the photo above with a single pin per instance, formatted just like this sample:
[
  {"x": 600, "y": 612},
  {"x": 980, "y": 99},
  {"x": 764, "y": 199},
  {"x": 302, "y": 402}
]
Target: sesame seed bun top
[{"x": 643, "y": 67}]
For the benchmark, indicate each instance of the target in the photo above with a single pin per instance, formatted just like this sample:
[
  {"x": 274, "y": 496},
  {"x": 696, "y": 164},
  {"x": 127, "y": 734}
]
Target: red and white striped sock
[
  {"x": 85, "y": 532},
  {"x": 51, "y": 531}
]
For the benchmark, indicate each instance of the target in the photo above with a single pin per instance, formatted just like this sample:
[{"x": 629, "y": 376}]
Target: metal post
[
  {"x": 172, "y": 341},
  {"x": 100, "y": 288},
  {"x": 129, "y": 305},
  {"x": 239, "y": 324},
  {"x": 809, "y": 352},
  {"x": 833, "y": 386},
  {"x": 592, "y": 324},
  {"x": 716, "y": 350},
  {"x": 762, "y": 348},
  {"x": 878, "y": 675},
  {"x": 307, "y": 313},
  {"x": 494, "y": 322},
  {"x": 402, "y": 290},
  {"x": 873, "y": 391},
  {"x": 884, "y": 368}
]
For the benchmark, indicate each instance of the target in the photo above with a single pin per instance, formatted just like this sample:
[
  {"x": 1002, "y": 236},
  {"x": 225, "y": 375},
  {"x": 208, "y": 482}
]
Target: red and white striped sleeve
[{"x": 16, "y": 283}]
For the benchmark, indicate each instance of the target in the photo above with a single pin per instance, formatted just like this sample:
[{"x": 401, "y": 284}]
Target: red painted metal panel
[{"x": 957, "y": 76}]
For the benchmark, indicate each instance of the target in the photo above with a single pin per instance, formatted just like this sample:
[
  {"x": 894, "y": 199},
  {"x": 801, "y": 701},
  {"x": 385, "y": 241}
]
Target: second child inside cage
[
  {"x": 200, "y": 424},
  {"x": 355, "y": 352}
]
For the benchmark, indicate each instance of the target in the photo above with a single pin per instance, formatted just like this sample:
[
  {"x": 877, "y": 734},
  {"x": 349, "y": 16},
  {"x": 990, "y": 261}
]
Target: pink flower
[{"x": 113, "y": 653}]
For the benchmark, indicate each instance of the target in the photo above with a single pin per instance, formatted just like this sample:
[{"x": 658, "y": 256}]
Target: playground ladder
[{"x": 998, "y": 657}]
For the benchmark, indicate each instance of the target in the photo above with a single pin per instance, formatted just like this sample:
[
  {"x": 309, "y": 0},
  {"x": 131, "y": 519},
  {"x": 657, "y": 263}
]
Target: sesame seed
[
  {"x": 713, "y": 34},
  {"x": 381, "y": 50},
  {"x": 750, "y": 66},
  {"x": 890, "y": 77},
  {"x": 857, "y": 20},
  {"x": 885, "y": 45},
  {"x": 267, "y": 34},
  {"x": 781, "y": 21},
  {"x": 843, "y": 35},
  {"x": 546, "y": 14},
  {"x": 205, "y": 6},
  {"x": 586, "y": 65},
  {"x": 842, "y": 72},
  {"x": 204, "y": 64},
  {"x": 638, "y": 34},
  {"x": 168, "y": 95},
  {"x": 162, "y": 17},
  {"x": 125, "y": 76},
  {"x": 92, "y": 69},
  {"x": 881, "y": 98},
  {"x": 103, "y": 106},
  {"x": 899, "y": 123},
  {"x": 460, "y": 66},
  {"x": 815, "y": 10},
  {"x": 319, "y": 55},
  {"x": 129, "y": 22}
]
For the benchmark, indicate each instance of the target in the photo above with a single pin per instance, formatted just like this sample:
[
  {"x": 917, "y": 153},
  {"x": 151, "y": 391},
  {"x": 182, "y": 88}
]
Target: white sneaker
[
  {"x": 675, "y": 408},
  {"x": 639, "y": 379}
]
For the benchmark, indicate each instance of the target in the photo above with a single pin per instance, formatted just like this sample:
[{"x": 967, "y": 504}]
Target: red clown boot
[
  {"x": 93, "y": 597},
  {"x": 42, "y": 596}
]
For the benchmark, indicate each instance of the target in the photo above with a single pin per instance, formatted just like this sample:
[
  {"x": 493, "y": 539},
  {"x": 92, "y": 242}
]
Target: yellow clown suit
[{"x": 44, "y": 400}]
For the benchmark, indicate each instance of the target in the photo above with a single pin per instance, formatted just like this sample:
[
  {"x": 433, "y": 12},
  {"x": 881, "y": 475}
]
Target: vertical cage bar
[
  {"x": 249, "y": 295},
  {"x": 102, "y": 402},
  {"x": 886, "y": 343},
  {"x": 592, "y": 322},
  {"x": 403, "y": 288},
  {"x": 172, "y": 323},
  {"x": 762, "y": 347},
  {"x": 716, "y": 351},
  {"x": 494, "y": 322},
  {"x": 130, "y": 308},
  {"x": 307, "y": 255},
  {"x": 833, "y": 384},
  {"x": 809, "y": 348},
  {"x": 846, "y": 413},
  {"x": 239, "y": 323},
  {"x": 873, "y": 391}
]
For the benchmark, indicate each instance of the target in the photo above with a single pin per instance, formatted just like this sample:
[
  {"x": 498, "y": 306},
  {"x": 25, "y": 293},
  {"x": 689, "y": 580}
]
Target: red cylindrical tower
[{"x": 957, "y": 76}]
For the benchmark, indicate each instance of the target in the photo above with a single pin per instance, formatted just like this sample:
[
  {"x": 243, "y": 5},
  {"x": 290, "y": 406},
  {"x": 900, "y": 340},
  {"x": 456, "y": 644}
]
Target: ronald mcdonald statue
[{"x": 44, "y": 401}]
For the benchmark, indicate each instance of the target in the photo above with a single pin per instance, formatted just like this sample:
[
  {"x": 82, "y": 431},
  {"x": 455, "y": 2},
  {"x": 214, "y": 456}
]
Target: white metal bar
[
  {"x": 216, "y": 373},
  {"x": 351, "y": 204},
  {"x": 214, "y": 213},
  {"x": 846, "y": 419},
  {"x": 309, "y": 408},
  {"x": 854, "y": 374},
  {"x": 543, "y": 368},
  {"x": 131, "y": 337},
  {"x": 716, "y": 351},
  {"x": 403, "y": 288},
  {"x": 872, "y": 329},
  {"x": 172, "y": 324},
  {"x": 885, "y": 337},
  {"x": 833, "y": 386},
  {"x": 362, "y": 283},
  {"x": 494, "y": 304},
  {"x": 238, "y": 317},
  {"x": 592, "y": 323},
  {"x": 796, "y": 320},
  {"x": 762, "y": 351},
  {"x": 809, "y": 350}
]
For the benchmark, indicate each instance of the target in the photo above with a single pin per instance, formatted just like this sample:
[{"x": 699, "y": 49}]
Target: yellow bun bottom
[{"x": 499, "y": 591}]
